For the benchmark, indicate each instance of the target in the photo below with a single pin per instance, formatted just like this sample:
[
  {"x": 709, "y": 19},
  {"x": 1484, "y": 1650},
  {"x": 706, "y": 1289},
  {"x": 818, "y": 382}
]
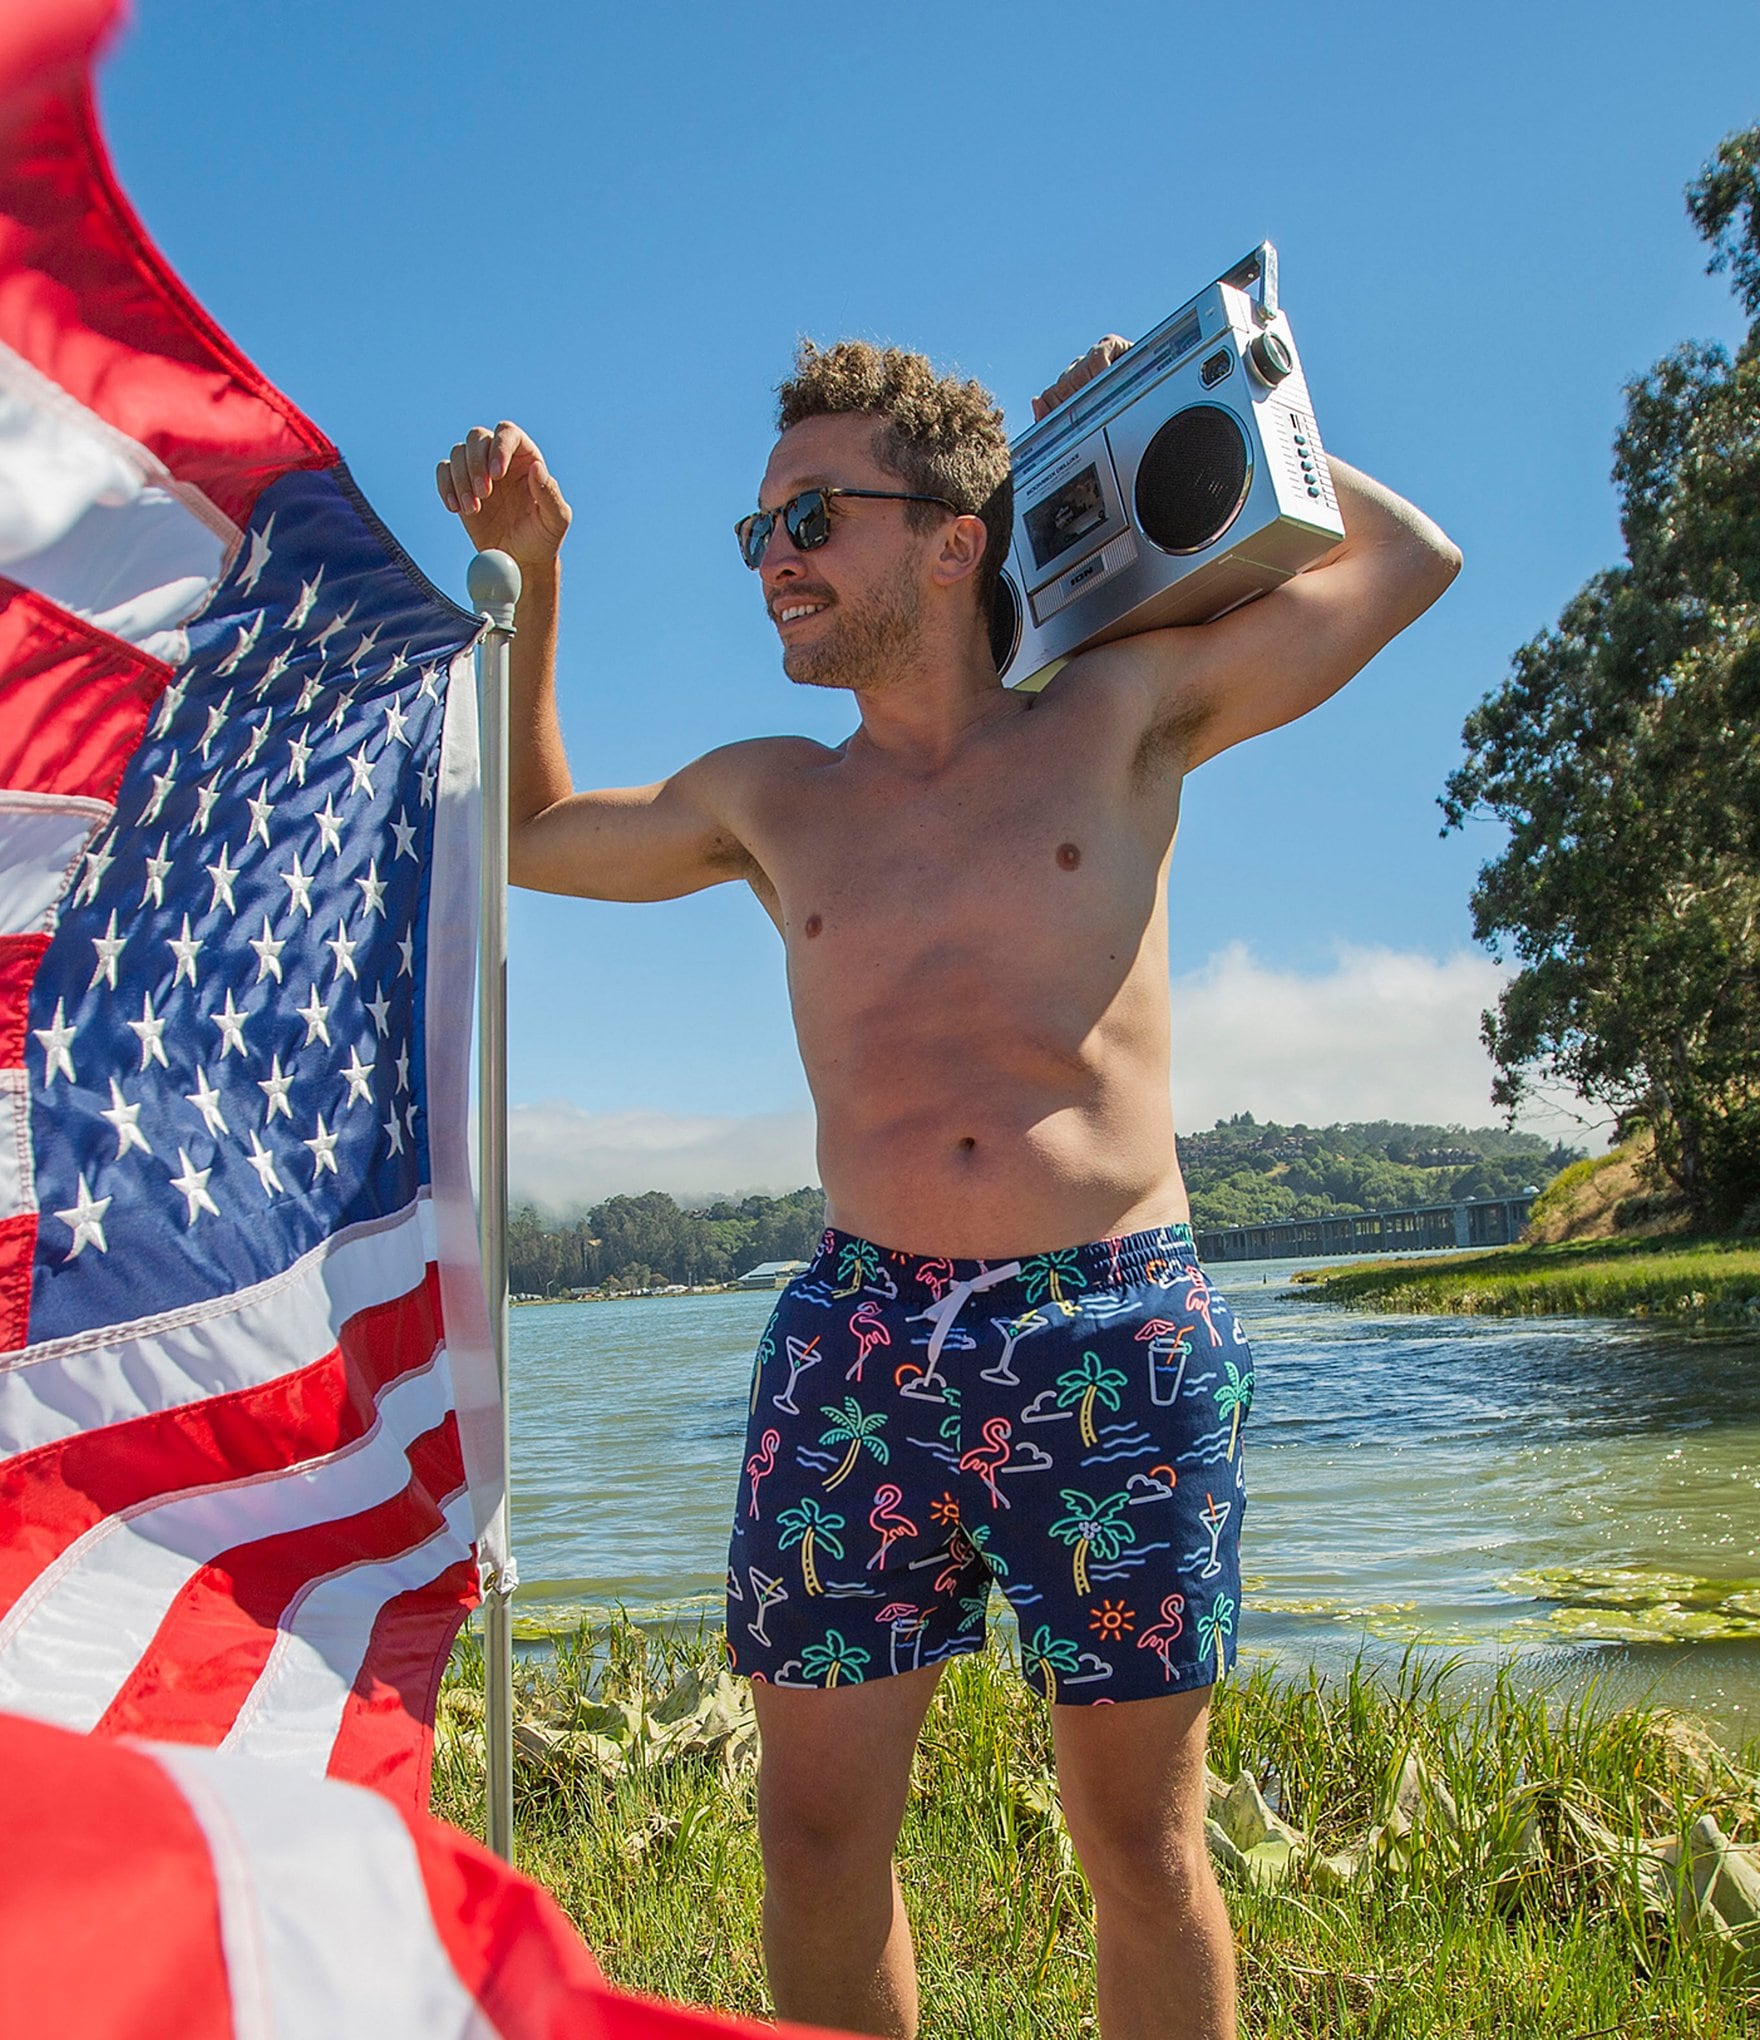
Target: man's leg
[
  {"x": 832, "y": 1778},
  {"x": 1132, "y": 1778}
]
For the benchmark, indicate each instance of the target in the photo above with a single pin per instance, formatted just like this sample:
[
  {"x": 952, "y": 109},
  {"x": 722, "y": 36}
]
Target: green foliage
[
  {"x": 1700, "y": 1281},
  {"x": 647, "y": 1241},
  {"x": 1622, "y": 756},
  {"x": 1244, "y": 1172},
  {"x": 1507, "y": 1894}
]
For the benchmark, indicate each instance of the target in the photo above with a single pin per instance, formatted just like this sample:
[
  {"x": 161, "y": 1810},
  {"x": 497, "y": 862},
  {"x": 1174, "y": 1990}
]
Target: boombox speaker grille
[{"x": 1192, "y": 479}]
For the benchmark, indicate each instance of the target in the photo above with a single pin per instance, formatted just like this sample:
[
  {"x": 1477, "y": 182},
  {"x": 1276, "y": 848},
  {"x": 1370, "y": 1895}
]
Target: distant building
[{"x": 772, "y": 1274}]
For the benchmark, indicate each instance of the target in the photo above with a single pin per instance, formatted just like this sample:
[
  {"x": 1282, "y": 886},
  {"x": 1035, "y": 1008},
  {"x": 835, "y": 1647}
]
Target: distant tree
[{"x": 1621, "y": 755}]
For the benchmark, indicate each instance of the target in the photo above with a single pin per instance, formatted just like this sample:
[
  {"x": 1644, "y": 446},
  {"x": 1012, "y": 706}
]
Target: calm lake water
[{"x": 1581, "y": 1494}]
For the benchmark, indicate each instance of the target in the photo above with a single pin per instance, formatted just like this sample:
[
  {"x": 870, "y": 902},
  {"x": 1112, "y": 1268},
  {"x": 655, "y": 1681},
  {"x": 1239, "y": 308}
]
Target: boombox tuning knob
[{"x": 1269, "y": 358}]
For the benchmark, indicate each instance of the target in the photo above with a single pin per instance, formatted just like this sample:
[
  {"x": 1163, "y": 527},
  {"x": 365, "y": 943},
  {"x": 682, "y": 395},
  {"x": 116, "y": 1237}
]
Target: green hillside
[{"x": 1246, "y": 1171}]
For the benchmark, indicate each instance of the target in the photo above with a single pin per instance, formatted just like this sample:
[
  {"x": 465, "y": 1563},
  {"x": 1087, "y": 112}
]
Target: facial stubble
[{"x": 865, "y": 643}]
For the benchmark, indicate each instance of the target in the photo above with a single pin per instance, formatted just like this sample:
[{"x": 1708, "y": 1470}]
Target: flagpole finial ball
[{"x": 493, "y": 584}]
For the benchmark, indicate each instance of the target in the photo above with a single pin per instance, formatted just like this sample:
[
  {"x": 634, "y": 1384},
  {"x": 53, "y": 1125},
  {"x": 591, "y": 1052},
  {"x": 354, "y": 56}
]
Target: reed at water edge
[
  {"x": 1467, "y": 1861},
  {"x": 1690, "y": 1281}
]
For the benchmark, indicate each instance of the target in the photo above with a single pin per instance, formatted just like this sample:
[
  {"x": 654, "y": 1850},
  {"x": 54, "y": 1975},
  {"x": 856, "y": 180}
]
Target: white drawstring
[{"x": 941, "y": 1315}]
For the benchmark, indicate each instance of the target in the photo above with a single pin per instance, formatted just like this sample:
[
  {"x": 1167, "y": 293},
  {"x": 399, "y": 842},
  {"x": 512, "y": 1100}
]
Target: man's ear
[{"x": 960, "y": 551}]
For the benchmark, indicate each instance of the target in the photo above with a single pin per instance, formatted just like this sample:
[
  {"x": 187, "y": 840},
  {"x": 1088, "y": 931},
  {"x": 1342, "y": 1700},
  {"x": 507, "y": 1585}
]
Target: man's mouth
[{"x": 786, "y": 613}]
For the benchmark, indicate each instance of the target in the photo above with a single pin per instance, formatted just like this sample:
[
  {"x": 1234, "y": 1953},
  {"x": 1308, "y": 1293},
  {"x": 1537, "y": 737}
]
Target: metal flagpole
[{"x": 493, "y": 585}]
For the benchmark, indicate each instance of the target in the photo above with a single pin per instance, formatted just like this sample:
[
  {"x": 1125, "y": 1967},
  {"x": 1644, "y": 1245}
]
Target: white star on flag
[
  {"x": 206, "y": 1100},
  {"x": 150, "y": 1029},
  {"x": 109, "y": 946},
  {"x": 126, "y": 1120},
  {"x": 194, "y": 1184},
  {"x": 87, "y": 1220}
]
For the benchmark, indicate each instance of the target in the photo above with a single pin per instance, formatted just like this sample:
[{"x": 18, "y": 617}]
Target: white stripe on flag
[
  {"x": 41, "y": 837},
  {"x": 17, "y": 1170},
  {"x": 323, "y": 1913},
  {"x": 72, "y": 1638},
  {"x": 294, "y": 1711},
  {"x": 92, "y": 520},
  {"x": 65, "y": 1386}
]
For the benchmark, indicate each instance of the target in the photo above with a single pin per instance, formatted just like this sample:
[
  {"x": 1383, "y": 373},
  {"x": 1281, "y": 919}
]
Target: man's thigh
[
  {"x": 1132, "y": 1778},
  {"x": 835, "y": 1763}
]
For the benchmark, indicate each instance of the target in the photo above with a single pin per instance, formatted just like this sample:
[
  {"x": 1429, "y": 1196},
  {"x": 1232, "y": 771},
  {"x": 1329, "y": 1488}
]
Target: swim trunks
[{"x": 1067, "y": 1426}]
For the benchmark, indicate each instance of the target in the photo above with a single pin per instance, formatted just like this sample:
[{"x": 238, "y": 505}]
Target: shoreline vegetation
[
  {"x": 1403, "y": 1857},
  {"x": 1713, "y": 1282}
]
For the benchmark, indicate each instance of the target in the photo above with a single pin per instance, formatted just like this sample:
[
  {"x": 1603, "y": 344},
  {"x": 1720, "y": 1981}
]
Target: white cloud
[
  {"x": 1382, "y": 1034},
  {"x": 559, "y": 1156}
]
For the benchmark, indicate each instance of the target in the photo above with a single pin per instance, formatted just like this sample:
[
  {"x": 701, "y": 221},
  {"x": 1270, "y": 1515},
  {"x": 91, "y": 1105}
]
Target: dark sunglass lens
[
  {"x": 809, "y": 519},
  {"x": 753, "y": 534}
]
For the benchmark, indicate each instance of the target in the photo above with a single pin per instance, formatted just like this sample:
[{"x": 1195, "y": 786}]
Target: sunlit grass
[
  {"x": 1706, "y": 1281},
  {"x": 1514, "y": 1904}
]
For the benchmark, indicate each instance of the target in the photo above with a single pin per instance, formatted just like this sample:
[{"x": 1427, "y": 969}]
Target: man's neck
[{"x": 921, "y": 719}]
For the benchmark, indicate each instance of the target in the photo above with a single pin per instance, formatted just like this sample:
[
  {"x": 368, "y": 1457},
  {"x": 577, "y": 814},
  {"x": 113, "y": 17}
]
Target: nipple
[
  {"x": 814, "y": 924},
  {"x": 1068, "y": 856}
]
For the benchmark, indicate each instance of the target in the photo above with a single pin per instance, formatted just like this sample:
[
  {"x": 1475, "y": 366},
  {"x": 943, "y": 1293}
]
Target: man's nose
[{"x": 781, "y": 559}]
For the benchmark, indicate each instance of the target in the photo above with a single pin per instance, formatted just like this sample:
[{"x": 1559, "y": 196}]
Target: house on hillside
[{"x": 772, "y": 1274}]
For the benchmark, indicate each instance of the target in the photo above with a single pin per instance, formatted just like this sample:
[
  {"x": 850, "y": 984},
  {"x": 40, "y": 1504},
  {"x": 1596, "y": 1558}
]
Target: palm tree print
[
  {"x": 810, "y": 1526},
  {"x": 1045, "y": 1655},
  {"x": 1093, "y": 1526},
  {"x": 834, "y": 1659},
  {"x": 766, "y": 1351},
  {"x": 1213, "y": 1625},
  {"x": 850, "y": 1427},
  {"x": 857, "y": 1265},
  {"x": 1236, "y": 1394},
  {"x": 1082, "y": 1384},
  {"x": 1044, "y": 1274}
]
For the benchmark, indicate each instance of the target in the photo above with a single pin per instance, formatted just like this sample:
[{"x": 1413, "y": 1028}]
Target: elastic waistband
[{"x": 849, "y": 1263}]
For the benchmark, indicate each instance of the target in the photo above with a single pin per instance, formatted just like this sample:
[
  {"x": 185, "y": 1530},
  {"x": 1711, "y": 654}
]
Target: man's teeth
[{"x": 789, "y": 614}]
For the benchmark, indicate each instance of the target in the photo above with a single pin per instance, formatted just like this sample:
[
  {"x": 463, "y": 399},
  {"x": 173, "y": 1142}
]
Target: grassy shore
[
  {"x": 1460, "y": 1865},
  {"x": 1704, "y": 1281}
]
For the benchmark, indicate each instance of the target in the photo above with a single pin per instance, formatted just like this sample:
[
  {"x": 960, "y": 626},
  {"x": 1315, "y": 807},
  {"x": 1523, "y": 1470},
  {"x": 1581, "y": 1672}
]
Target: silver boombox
[{"x": 1184, "y": 480}]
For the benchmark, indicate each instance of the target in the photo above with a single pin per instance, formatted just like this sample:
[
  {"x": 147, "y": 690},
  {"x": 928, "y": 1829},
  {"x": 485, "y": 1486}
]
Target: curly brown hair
[{"x": 940, "y": 436}]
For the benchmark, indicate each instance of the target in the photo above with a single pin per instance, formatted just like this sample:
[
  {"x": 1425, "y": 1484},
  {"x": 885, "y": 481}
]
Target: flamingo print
[
  {"x": 1161, "y": 1636},
  {"x": 885, "y": 1517},
  {"x": 762, "y": 1462},
  {"x": 870, "y": 1331},
  {"x": 1200, "y": 1297},
  {"x": 988, "y": 1460},
  {"x": 936, "y": 1276}
]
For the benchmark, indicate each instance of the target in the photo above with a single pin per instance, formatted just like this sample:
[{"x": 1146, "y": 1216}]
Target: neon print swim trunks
[{"x": 1067, "y": 1427}]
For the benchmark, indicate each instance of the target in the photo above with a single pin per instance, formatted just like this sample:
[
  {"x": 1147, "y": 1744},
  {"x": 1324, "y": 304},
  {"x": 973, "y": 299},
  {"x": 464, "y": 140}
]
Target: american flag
[{"x": 247, "y": 1406}]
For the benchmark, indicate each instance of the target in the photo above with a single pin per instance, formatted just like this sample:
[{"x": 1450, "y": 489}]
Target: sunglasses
[{"x": 807, "y": 519}]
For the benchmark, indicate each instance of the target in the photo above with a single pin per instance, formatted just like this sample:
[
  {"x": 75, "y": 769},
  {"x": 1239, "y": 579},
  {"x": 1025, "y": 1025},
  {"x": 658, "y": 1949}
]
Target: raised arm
[
  {"x": 1273, "y": 659},
  {"x": 627, "y": 843},
  {"x": 1210, "y": 685}
]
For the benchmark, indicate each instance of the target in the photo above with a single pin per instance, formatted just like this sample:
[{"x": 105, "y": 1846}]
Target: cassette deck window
[{"x": 1066, "y": 516}]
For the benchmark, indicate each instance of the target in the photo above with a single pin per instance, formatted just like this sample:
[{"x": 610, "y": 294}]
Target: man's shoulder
[{"x": 758, "y": 760}]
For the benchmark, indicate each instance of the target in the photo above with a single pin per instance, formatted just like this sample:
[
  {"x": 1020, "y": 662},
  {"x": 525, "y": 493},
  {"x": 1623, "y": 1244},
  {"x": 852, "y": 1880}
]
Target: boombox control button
[{"x": 1312, "y": 491}]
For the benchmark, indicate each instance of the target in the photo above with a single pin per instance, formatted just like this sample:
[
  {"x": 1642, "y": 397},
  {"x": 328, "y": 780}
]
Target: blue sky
[{"x": 612, "y": 225}]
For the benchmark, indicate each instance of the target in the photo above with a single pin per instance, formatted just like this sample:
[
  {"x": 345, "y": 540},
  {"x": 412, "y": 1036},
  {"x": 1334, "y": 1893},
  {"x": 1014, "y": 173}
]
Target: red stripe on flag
[
  {"x": 89, "y": 301},
  {"x": 42, "y": 40},
  {"x": 399, "y": 1685},
  {"x": 19, "y": 957},
  {"x": 109, "y": 1919},
  {"x": 74, "y": 700},
  {"x": 18, "y": 1247},
  {"x": 51, "y": 1496},
  {"x": 213, "y": 1644}
]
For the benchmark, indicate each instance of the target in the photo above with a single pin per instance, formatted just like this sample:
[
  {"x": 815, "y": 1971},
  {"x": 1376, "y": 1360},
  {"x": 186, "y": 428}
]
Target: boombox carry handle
[{"x": 1257, "y": 273}]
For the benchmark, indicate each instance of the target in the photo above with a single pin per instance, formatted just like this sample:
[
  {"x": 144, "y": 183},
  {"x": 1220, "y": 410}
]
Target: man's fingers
[
  {"x": 443, "y": 482},
  {"x": 463, "y": 487},
  {"x": 505, "y": 443},
  {"x": 477, "y": 442}
]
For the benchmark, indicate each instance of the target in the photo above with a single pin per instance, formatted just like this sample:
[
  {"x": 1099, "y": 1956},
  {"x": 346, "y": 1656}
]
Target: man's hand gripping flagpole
[{"x": 493, "y": 584}]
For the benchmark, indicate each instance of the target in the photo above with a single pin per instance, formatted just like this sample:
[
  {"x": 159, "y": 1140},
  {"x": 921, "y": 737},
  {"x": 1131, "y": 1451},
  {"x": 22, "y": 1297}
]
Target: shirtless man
[{"x": 1028, "y": 1381}]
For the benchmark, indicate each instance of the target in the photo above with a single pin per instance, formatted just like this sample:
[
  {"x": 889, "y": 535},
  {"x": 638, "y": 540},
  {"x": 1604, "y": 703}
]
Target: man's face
[{"x": 850, "y": 612}]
